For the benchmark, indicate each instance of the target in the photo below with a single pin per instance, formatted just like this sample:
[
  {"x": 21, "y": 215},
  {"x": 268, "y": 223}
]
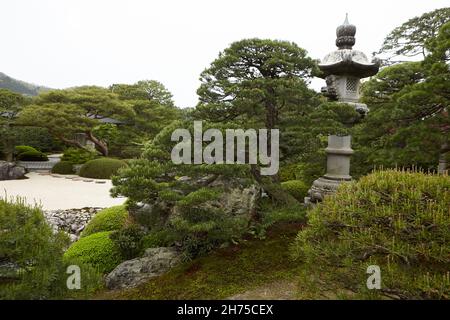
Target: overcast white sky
[{"x": 65, "y": 43}]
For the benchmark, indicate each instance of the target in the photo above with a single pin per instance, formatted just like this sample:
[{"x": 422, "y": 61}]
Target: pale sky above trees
[{"x": 65, "y": 43}]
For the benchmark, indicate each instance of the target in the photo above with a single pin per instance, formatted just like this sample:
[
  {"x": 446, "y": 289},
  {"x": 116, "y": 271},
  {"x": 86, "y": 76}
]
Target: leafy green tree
[
  {"x": 11, "y": 104},
  {"x": 408, "y": 123},
  {"x": 255, "y": 84},
  {"x": 150, "y": 90},
  {"x": 66, "y": 113},
  {"x": 412, "y": 37},
  {"x": 154, "y": 109}
]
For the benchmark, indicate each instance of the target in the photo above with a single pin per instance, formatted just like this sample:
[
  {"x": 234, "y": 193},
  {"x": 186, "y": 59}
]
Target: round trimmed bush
[
  {"x": 109, "y": 219},
  {"x": 296, "y": 188},
  {"x": 21, "y": 149},
  {"x": 32, "y": 156},
  {"x": 102, "y": 168},
  {"x": 397, "y": 220},
  {"x": 97, "y": 250},
  {"x": 63, "y": 167}
]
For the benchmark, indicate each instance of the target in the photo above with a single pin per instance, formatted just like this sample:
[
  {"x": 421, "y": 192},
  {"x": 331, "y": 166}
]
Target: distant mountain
[{"x": 19, "y": 86}]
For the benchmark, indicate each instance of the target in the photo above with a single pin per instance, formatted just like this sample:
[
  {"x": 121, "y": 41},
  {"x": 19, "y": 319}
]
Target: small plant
[
  {"x": 97, "y": 250},
  {"x": 32, "y": 156},
  {"x": 78, "y": 156},
  {"x": 129, "y": 241},
  {"x": 63, "y": 167},
  {"x": 297, "y": 188},
  {"x": 109, "y": 219},
  {"x": 102, "y": 168}
]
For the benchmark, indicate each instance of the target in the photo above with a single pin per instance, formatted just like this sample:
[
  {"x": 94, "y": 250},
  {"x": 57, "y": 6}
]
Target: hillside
[{"x": 19, "y": 86}]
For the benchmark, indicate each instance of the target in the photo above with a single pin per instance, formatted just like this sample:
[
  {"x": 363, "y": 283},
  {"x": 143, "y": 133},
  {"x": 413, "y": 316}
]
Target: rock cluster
[
  {"x": 71, "y": 221},
  {"x": 11, "y": 171},
  {"x": 132, "y": 273}
]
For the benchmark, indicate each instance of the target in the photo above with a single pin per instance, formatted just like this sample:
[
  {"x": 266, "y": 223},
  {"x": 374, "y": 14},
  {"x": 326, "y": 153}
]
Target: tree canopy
[{"x": 413, "y": 37}]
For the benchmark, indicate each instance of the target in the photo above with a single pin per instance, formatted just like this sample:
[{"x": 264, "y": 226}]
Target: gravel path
[{"x": 62, "y": 192}]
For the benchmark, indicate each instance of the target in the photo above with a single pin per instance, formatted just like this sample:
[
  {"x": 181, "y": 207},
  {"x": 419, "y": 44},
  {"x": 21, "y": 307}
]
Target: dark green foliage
[
  {"x": 32, "y": 156},
  {"x": 129, "y": 240},
  {"x": 395, "y": 219},
  {"x": 413, "y": 37},
  {"x": 97, "y": 250},
  {"x": 78, "y": 155},
  {"x": 109, "y": 219},
  {"x": 39, "y": 138},
  {"x": 63, "y": 167},
  {"x": 102, "y": 168},
  {"x": 297, "y": 188},
  {"x": 154, "y": 180},
  {"x": 160, "y": 238},
  {"x": 408, "y": 122},
  {"x": 29, "y": 242}
]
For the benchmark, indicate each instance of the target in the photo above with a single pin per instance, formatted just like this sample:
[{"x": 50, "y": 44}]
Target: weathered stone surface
[
  {"x": 338, "y": 169},
  {"x": 132, "y": 273},
  {"x": 11, "y": 171}
]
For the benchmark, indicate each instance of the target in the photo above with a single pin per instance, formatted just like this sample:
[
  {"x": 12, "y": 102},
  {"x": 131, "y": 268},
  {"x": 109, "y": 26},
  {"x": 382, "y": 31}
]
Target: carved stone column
[{"x": 338, "y": 169}]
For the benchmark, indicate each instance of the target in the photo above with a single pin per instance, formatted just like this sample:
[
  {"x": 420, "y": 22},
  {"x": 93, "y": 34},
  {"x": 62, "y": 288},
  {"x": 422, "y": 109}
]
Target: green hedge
[
  {"x": 32, "y": 156},
  {"x": 397, "y": 220},
  {"x": 97, "y": 250},
  {"x": 296, "y": 188},
  {"x": 63, "y": 167},
  {"x": 102, "y": 168},
  {"x": 109, "y": 219}
]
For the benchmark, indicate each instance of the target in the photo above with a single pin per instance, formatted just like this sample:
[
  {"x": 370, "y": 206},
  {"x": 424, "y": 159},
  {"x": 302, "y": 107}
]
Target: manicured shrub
[
  {"x": 63, "y": 167},
  {"x": 129, "y": 241},
  {"x": 22, "y": 149},
  {"x": 32, "y": 156},
  {"x": 397, "y": 220},
  {"x": 296, "y": 188},
  {"x": 97, "y": 250},
  {"x": 102, "y": 168},
  {"x": 78, "y": 156},
  {"x": 109, "y": 219}
]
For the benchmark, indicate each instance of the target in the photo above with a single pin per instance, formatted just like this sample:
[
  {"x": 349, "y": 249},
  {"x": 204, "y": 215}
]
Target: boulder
[
  {"x": 132, "y": 273},
  {"x": 11, "y": 171}
]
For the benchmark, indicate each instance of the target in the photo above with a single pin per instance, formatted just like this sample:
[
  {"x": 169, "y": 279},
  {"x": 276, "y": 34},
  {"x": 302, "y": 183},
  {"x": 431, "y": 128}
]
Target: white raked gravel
[{"x": 60, "y": 193}]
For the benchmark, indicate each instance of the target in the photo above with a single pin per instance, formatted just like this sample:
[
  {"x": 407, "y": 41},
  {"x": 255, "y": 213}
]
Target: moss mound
[
  {"x": 97, "y": 250},
  {"x": 63, "y": 167},
  {"x": 109, "y": 219},
  {"x": 102, "y": 168}
]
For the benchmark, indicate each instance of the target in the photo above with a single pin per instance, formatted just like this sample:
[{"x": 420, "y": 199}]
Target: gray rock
[
  {"x": 131, "y": 273},
  {"x": 71, "y": 221},
  {"x": 11, "y": 171}
]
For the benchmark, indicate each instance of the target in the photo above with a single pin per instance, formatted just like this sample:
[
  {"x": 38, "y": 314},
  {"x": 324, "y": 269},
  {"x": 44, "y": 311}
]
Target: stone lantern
[{"x": 342, "y": 70}]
